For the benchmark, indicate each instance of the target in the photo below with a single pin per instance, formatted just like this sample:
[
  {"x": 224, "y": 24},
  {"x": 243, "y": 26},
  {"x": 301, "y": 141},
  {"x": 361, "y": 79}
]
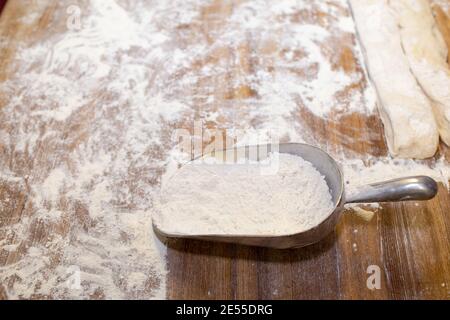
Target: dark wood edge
[{"x": 2, "y": 5}]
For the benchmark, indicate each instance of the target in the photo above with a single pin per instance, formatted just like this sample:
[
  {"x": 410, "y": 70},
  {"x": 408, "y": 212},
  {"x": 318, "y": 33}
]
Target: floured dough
[
  {"x": 410, "y": 127},
  {"x": 426, "y": 51}
]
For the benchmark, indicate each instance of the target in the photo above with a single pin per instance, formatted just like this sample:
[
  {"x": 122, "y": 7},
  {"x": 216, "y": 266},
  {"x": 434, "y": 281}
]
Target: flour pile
[{"x": 238, "y": 199}]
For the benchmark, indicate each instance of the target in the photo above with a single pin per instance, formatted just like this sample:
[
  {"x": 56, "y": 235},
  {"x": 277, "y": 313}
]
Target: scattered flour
[
  {"x": 86, "y": 118},
  {"x": 83, "y": 117},
  {"x": 358, "y": 172},
  {"x": 227, "y": 198}
]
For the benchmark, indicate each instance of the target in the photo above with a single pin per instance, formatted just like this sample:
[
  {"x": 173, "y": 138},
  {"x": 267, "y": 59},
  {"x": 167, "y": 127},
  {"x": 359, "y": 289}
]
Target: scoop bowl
[{"x": 408, "y": 188}]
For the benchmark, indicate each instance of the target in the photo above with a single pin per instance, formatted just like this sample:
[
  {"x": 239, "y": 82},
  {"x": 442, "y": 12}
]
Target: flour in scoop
[{"x": 220, "y": 198}]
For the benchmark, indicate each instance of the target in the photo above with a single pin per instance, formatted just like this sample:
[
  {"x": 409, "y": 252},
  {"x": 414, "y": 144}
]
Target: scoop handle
[{"x": 409, "y": 188}]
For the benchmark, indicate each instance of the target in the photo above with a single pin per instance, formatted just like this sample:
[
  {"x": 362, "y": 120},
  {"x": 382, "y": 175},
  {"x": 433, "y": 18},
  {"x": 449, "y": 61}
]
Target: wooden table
[{"x": 409, "y": 243}]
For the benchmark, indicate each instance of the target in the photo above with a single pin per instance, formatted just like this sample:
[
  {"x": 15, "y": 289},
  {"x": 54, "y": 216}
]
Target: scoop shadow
[{"x": 215, "y": 250}]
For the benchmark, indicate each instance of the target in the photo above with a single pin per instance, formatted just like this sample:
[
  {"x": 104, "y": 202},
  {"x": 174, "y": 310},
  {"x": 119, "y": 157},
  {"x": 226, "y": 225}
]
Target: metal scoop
[{"x": 408, "y": 188}]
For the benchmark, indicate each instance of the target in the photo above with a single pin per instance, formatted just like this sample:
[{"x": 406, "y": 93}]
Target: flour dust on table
[{"x": 87, "y": 116}]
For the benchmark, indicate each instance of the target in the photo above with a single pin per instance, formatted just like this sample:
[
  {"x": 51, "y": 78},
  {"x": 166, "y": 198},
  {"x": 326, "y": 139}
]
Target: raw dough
[
  {"x": 410, "y": 127},
  {"x": 426, "y": 51}
]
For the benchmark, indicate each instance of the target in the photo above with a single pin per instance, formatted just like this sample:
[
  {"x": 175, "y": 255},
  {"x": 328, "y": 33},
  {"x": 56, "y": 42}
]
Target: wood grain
[
  {"x": 395, "y": 240},
  {"x": 409, "y": 242}
]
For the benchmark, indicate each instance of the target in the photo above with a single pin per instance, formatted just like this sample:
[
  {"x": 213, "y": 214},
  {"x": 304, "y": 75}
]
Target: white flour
[
  {"x": 358, "y": 172},
  {"x": 237, "y": 199},
  {"x": 85, "y": 132}
]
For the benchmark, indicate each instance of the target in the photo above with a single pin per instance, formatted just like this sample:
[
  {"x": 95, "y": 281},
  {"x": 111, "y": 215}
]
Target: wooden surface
[{"x": 410, "y": 243}]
